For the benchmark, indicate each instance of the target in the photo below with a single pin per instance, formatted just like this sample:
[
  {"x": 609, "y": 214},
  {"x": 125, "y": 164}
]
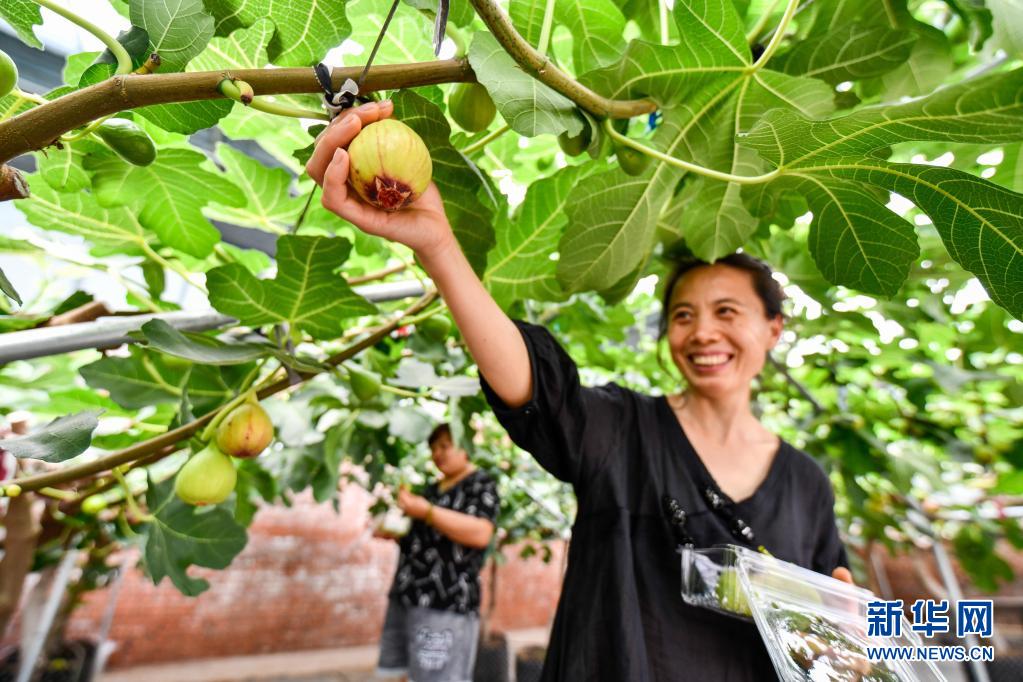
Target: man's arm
[{"x": 465, "y": 529}]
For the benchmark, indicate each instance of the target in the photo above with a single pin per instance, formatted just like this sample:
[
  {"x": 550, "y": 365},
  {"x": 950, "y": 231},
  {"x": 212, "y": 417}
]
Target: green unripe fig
[
  {"x": 129, "y": 141},
  {"x": 471, "y": 107},
  {"x": 365, "y": 385},
  {"x": 730, "y": 594},
  {"x": 435, "y": 328},
  {"x": 207, "y": 478},
  {"x": 245, "y": 431},
  {"x": 8, "y": 74},
  {"x": 632, "y": 161},
  {"x": 576, "y": 144},
  {"x": 94, "y": 504},
  {"x": 390, "y": 166}
]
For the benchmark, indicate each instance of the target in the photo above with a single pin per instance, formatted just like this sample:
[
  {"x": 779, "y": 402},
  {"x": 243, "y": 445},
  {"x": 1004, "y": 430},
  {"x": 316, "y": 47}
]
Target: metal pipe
[{"x": 110, "y": 332}]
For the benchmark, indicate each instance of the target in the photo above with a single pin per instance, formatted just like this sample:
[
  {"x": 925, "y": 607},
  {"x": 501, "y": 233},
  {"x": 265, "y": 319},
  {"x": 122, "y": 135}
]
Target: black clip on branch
[
  {"x": 335, "y": 102},
  {"x": 345, "y": 98}
]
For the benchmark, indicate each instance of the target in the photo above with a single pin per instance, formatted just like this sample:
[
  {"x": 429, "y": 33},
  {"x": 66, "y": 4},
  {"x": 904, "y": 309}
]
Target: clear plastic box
[
  {"x": 814, "y": 627},
  {"x": 710, "y": 579}
]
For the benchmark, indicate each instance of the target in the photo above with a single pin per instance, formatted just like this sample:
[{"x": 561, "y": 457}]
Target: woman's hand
[
  {"x": 842, "y": 573},
  {"x": 423, "y": 226},
  {"x": 413, "y": 505},
  {"x": 493, "y": 340}
]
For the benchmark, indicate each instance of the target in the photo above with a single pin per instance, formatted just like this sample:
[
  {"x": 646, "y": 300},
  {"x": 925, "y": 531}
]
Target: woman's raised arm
[{"x": 492, "y": 338}]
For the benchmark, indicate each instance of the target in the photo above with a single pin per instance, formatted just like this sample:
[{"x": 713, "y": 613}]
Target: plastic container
[
  {"x": 710, "y": 580},
  {"x": 814, "y": 627}
]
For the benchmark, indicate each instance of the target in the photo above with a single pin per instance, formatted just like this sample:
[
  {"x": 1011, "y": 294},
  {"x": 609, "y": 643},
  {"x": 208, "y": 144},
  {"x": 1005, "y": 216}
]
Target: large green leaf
[
  {"x": 987, "y": 109},
  {"x": 22, "y": 15},
  {"x": 307, "y": 292},
  {"x": 716, "y": 222},
  {"x": 246, "y": 48},
  {"x": 612, "y": 217},
  {"x": 79, "y": 213},
  {"x": 521, "y": 266},
  {"x": 598, "y": 29},
  {"x": 306, "y": 29},
  {"x": 714, "y": 48},
  {"x": 199, "y": 348},
  {"x": 530, "y": 107},
  {"x": 178, "y": 29},
  {"x": 527, "y": 17},
  {"x": 848, "y": 53},
  {"x": 270, "y": 206},
  {"x": 980, "y": 223},
  {"x": 181, "y": 535},
  {"x": 63, "y": 167},
  {"x": 458, "y": 179},
  {"x": 146, "y": 378},
  {"x": 928, "y": 66},
  {"x": 135, "y": 42},
  {"x": 854, "y": 239},
  {"x": 187, "y": 117},
  {"x": 164, "y": 194},
  {"x": 1010, "y": 170},
  {"x": 60, "y": 440}
]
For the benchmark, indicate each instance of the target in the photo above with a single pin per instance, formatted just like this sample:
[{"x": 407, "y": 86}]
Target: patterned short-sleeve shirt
[{"x": 436, "y": 572}]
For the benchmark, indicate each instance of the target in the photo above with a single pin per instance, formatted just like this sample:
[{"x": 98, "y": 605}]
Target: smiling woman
[{"x": 620, "y": 616}]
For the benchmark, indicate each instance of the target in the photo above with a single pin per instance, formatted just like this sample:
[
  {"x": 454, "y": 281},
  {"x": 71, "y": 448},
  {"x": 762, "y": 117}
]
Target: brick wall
[{"x": 307, "y": 579}]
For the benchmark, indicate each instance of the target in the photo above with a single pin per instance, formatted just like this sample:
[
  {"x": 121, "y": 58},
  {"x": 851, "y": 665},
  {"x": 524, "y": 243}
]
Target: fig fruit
[
  {"x": 8, "y": 74},
  {"x": 207, "y": 478},
  {"x": 94, "y": 504},
  {"x": 129, "y": 141},
  {"x": 632, "y": 161},
  {"x": 471, "y": 107},
  {"x": 576, "y": 144},
  {"x": 390, "y": 165},
  {"x": 435, "y": 328},
  {"x": 730, "y": 593},
  {"x": 365, "y": 385},
  {"x": 245, "y": 431}
]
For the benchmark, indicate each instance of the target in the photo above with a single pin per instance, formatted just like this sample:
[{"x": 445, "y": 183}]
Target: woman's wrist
[
  {"x": 428, "y": 516},
  {"x": 437, "y": 255}
]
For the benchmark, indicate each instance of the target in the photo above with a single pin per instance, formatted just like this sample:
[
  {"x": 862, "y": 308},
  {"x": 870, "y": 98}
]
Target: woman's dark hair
[
  {"x": 437, "y": 432},
  {"x": 766, "y": 286}
]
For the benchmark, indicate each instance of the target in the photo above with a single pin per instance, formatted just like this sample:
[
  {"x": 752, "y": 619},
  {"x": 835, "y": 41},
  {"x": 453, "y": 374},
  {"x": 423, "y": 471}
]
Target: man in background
[{"x": 432, "y": 623}]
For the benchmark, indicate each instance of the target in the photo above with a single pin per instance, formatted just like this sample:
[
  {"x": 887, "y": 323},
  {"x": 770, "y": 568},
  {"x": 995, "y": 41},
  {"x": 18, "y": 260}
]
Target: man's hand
[
  {"x": 423, "y": 226},
  {"x": 413, "y": 505}
]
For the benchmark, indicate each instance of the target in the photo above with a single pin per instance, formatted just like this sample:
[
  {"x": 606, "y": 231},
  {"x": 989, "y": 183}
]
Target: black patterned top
[{"x": 436, "y": 572}]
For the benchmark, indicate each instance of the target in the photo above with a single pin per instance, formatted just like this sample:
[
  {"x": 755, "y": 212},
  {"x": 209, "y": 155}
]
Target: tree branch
[
  {"x": 541, "y": 68},
  {"x": 169, "y": 438},
  {"x": 44, "y": 124}
]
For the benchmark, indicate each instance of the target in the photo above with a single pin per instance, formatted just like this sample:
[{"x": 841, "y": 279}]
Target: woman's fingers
[
  {"x": 842, "y": 573},
  {"x": 337, "y": 198},
  {"x": 341, "y": 132}
]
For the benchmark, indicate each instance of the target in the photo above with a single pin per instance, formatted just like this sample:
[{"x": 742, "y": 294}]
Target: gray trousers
[{"x": 427, "y": 645}]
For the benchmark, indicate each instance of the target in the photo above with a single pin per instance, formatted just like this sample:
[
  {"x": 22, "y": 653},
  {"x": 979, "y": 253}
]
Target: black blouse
[{"x": 621, "y": 616}]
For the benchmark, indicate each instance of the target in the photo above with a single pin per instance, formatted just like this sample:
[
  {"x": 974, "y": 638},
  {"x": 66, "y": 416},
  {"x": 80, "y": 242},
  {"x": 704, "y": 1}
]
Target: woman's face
[{"x": 718, "y": 331}]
